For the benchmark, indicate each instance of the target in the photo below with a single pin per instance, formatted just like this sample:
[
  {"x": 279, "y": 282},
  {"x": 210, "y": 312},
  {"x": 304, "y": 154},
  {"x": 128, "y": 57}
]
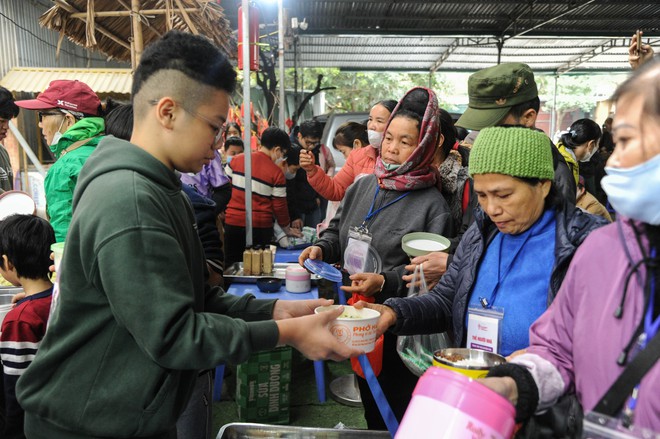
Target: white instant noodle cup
[{"x": 354, "y": 327}]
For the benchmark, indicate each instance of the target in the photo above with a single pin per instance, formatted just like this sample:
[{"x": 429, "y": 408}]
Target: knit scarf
[{"x": 418, "y": 171}]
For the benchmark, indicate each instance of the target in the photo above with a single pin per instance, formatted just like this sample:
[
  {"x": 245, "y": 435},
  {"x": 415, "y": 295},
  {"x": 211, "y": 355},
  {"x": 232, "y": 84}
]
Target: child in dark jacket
[{"x": 25, "y": 242}]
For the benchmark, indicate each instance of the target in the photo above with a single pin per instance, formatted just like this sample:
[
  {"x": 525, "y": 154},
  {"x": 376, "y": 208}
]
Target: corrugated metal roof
[
  {"x": 102, "y": 81},
  {"x": 549, "y": 35}
]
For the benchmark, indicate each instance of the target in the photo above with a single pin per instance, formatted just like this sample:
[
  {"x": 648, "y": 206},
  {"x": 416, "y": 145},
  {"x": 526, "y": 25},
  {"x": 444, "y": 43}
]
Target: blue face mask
[
  {"x": 633, "y": 192},
  {"x": 229, "y": 158},
  {"x": 391, "y": 166}
]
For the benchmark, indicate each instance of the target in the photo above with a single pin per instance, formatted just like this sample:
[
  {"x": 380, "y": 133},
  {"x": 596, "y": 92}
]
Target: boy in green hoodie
[{"x": 134, "y": 322}]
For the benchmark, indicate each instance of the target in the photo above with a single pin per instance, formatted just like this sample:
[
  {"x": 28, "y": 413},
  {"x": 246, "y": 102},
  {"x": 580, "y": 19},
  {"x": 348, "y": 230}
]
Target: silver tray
[
  {"x": 238, "y": 430},
  {"x": 235, "y": 273}
]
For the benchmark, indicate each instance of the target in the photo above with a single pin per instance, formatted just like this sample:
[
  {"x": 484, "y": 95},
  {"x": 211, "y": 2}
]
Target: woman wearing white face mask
[
  {"x": 359, "y": 162},
  {"x": 579, "y": 144},
  {"x": 69, "y": 120},
  {"x": 606, "y": 312}
]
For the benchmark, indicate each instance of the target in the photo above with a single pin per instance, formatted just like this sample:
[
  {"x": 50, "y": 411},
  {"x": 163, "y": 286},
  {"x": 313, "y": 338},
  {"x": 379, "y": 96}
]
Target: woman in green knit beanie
[{"x": 510, "y": 263}]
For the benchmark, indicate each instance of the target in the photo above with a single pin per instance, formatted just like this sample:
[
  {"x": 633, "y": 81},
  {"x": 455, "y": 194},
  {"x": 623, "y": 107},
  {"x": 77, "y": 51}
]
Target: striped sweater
[
  {"x": 268, "y": 192},
  {"x": 22, "y": 331}
]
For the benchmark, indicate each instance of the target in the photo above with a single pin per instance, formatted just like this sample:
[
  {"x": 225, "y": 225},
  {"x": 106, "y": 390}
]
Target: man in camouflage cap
[{"x": 506, "y": 94}]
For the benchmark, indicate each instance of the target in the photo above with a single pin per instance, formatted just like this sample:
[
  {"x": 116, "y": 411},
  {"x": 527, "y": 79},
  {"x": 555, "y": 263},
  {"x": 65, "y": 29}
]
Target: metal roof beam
[
  {"x": 446, "y": 54},
  {"x": 587, "y": 56}
]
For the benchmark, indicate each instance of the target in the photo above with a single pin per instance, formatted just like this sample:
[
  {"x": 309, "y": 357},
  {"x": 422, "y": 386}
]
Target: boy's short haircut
[
  {"x": 191, "y": 55},
  {"x": 234, "y": 141},
  {"x": 312, "y": 129},
  {"x": 273, "y": 137},
  {"x": 8, "y": 109},
  {"x": 26, "y": 240}
]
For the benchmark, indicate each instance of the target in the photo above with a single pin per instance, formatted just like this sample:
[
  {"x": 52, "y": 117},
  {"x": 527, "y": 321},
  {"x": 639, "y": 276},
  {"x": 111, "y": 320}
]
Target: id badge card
[
  {"x": 357, "y": 250},
  {"x": 484, "y": 329}
]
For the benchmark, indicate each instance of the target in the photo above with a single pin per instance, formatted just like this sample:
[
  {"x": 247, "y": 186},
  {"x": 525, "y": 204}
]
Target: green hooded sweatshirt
[
  {"x": 133, "y": 323},
  {"x": 62, "y": 176}
]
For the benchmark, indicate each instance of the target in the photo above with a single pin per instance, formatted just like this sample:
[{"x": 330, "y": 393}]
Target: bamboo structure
[{"x": 121, "y": 29}]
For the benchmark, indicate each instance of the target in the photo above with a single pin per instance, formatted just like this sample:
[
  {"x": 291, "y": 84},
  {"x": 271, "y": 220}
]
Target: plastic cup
[
  {"x": 354, "y": 327},
  {"x": 58, "y": 250}
]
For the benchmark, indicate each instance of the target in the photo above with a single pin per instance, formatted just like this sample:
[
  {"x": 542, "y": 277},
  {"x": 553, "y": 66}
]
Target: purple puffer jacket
[{"x": 576, "y": 342}]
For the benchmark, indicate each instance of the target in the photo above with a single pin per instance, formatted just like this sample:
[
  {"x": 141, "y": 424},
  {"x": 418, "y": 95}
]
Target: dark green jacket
[{"x": 134, "y": 322}]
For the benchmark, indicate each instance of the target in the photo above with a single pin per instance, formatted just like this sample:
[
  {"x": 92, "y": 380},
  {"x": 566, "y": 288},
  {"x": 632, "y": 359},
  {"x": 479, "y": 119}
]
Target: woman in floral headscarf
[{"x": 400, "y": 197}]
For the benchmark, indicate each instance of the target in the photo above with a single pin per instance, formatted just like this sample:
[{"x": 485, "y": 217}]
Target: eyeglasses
[
  {"x": 43, "y": 114},
  {"x": 218, "y": 130}
]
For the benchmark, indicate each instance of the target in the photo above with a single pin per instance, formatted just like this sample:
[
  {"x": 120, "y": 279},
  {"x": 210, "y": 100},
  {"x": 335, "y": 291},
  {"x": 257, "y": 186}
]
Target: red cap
[{"x": 67, "y": 95}]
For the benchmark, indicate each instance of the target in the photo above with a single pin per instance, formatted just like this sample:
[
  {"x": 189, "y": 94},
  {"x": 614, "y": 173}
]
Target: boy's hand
[
  {"x": 289, "y": 231},
  {"x": 286, "y": 309},
  {"x": 312, "y": 337}
]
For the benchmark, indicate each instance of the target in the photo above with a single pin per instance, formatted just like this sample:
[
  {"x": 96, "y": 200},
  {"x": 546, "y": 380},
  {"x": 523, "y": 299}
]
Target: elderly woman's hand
[
  {"x": 434, "y": 266},
  {"x": 365, "y": 284},
  {"x": 312, "y": 252},
  {"x": 387, "y": 315},
  {"x": 504, "y": 386}
]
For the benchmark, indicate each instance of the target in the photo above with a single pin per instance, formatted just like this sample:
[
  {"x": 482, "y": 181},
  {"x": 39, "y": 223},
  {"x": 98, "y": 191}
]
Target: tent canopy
[{"x": 465, "y": 35}]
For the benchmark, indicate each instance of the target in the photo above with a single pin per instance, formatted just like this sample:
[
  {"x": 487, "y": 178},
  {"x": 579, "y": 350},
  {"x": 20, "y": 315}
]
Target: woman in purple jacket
[{"x": 607, "y": 308}]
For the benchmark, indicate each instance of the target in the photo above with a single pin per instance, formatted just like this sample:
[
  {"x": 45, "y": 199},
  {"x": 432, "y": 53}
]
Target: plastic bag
[{"x": 416, "y": 351}]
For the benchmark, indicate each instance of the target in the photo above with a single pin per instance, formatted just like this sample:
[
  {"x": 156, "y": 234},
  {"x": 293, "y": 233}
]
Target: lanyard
[
  {"x": 650, "y": 325},
  {"x": 373, "y": 213},
  {"x": 488, "y": 303},
  {"x": 650, "y": 329}
]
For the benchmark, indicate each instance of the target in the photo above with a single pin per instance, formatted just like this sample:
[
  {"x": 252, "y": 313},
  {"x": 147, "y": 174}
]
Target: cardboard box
[{"x": 263, "y": 387}]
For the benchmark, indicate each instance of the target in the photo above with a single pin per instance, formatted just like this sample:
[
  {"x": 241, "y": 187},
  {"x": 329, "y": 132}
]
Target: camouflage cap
[{"x": 493, "y": 91}]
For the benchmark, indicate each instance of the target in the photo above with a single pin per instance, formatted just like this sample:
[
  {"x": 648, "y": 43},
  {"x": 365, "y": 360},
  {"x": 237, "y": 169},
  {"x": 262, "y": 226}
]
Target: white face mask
[
  {"x": 633, "y": 192},
  {"x": 57, "y": 136},
  {"x": 375, "y": 138},
  {"x": 289, "y": 175},
  {"x": 279, "y": 160},
  {"x": 590, "y": 154}
]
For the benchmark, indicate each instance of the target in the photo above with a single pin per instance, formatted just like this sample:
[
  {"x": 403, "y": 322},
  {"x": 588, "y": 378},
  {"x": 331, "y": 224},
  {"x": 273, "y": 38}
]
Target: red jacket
[
  {"x": 359, "y": 162},
  {"x": 268, "y": 192}
]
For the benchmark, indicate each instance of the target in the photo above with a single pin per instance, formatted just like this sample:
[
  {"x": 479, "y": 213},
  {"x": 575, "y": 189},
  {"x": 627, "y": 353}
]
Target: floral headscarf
[{"x": 418, "y": 171}]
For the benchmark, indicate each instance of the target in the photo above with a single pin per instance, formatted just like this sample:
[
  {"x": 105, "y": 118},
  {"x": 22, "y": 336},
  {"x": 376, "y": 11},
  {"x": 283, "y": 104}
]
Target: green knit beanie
[{"x": 514, "y": 151}]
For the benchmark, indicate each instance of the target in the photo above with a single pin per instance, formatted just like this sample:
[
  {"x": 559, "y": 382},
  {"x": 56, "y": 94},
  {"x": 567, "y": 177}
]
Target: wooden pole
[
  {"x": 186, "y": 18},
  {"x": 168, "y": 15},
  {"x": 138, "y": 43}
]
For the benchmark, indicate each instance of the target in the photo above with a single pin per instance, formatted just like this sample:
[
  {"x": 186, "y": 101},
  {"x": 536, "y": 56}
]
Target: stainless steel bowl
[{"x": 489, "y": 358}]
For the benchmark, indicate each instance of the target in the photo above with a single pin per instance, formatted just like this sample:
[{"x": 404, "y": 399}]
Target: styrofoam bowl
[{"x": 354, "y": 327}]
